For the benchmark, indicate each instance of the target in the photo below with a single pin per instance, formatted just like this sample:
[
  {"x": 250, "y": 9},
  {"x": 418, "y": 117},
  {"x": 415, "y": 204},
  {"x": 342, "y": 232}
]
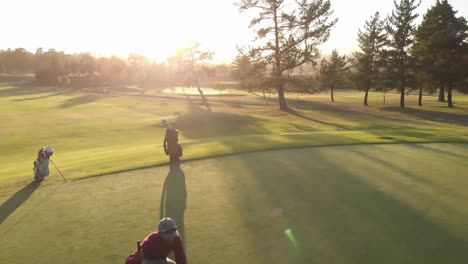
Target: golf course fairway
[{"x": 392, "y": 203}]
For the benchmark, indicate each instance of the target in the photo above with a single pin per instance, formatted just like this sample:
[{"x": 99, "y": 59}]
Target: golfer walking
[{"x": 157, "y": 246}]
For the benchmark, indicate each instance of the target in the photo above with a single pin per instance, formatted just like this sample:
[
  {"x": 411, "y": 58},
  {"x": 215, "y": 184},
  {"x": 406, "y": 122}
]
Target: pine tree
[
  {"x": 440, "y": 48},
  {"x": 289, "y": 33},
  {"x": 368, "y": 60},
  {"x": 332, "y": 73},
  {"x": 400, "y": 29}
]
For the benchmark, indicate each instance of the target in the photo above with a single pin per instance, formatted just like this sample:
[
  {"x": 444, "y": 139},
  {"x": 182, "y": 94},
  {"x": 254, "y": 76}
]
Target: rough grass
[
  {"x": 98, "y": 133},
  {"x": 403, "y": 203}
]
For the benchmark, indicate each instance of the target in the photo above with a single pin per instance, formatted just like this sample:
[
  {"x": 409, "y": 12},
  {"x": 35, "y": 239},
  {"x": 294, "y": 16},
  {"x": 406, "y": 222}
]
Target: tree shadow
[
  {"x": 200, "y": 123},
  {"x": 25, "y": 90},
  {"x": 459, "y": 119},
  {"x": 300, "y": 115},
  {"x": 340, "y": 213},
  {"x": 349, "y": 111},
  {"x": 84, "y": 99},
  {"x": 444, "y": 152},
  {"x": 174, "y": 197},
  {"x": 10, "y": 205},
  {"x": 41, "y": 97}
]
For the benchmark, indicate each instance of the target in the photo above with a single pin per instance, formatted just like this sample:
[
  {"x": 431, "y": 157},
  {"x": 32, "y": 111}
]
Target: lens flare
[{"x": 289, "y": 234}]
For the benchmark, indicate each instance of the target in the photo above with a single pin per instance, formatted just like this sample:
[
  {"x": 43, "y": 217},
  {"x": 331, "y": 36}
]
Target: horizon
[{"x": 145, "y": 27}]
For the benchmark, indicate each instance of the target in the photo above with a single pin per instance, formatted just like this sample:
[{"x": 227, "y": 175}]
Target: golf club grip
[{"x": 139, "y": 246}]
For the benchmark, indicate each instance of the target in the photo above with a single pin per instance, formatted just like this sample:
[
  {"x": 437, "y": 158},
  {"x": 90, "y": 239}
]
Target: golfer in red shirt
[{"x": 157, "y": 246}]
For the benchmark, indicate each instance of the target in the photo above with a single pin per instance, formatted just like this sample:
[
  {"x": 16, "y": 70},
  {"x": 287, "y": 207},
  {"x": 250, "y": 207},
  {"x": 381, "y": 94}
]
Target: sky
[{"x": 157, "y": 28}]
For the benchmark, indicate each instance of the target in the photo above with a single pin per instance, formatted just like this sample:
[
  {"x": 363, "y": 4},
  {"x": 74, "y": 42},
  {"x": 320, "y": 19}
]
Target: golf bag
[
  {"x": 172, "y": 148},
  {"x": 41, "y": 164}
]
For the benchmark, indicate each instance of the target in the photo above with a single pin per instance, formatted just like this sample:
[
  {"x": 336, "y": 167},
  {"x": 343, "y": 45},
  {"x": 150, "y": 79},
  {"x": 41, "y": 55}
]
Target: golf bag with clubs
[
  {"x": 41, "y": 164},
  {"x": 172, "y": 148}
]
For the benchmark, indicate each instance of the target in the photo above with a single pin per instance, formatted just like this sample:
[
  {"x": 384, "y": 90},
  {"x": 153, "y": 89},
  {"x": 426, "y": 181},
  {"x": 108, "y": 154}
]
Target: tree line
[
  {"x": 393, "y": 53},
  {"x": 50, "y": 67}
]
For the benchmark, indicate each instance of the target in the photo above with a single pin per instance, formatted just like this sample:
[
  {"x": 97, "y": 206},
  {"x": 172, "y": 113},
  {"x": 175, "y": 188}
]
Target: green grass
[
  {"x": 99, "y": 133},
  {"x": 403, "y": 203},
  {"x": 354, "y": 197}
]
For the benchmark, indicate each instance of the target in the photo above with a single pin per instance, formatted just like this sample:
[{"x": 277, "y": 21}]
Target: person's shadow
[
  {"x": 174, "y": 197},
  {"x": 10, "y": 205}
]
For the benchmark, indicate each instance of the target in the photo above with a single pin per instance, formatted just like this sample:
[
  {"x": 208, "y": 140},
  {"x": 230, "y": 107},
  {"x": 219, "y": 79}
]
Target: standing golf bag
[
  {"x": 41, "y": 164},
  {"x": 172, "y": 148}
]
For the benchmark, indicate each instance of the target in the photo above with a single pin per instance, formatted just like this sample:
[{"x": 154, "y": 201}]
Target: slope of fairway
[
  {"x": 403, "y": 203},
  {"x": 98, "y": 133}
]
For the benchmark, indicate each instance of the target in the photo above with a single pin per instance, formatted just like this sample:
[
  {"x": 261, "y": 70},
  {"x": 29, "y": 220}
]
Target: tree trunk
[
  {"x": 201, "y": 93},
  {"x": 282, "y": 99},
  {"x": 200, "y": 90},
  {"x": 332, "y": 96},
  {"x": 264, "y": 96},
  {"x": 420, "y": 97},
  {"x": 402, "y": 97},
  {"x": 442, "y": 93},
  {"x": 365, "y": 97},
  {"x": 449, "y": 96},
  {"x": 384, "y": 98},
  {"x": 278, "y": 73}
]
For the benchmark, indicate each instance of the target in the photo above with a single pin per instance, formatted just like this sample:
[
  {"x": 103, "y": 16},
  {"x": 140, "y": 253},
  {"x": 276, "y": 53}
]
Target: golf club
[
  {"x": 139, "y": 249},
  {"x": 65, "y": 179}
]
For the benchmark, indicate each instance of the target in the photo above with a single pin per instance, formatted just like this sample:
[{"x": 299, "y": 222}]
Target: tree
[
  {"x": 441, "y": 44},
  {"x": 137, "y": 68},
  {"x": 289, "y": 33},
  {"x": 333, "y": 73},
  {"x": 251, "y": 74},
  {"x": 188, "y": 63},
  {"x": 400, "y": 29},
  {"x": 368, "y": 60}
]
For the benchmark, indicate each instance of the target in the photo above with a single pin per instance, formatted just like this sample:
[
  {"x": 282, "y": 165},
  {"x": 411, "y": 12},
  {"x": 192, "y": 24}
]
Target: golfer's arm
[{"x": 179, "y": 252}]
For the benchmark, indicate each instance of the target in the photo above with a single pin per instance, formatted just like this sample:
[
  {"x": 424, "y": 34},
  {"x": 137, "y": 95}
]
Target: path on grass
[{"x": 343, "y": 204}]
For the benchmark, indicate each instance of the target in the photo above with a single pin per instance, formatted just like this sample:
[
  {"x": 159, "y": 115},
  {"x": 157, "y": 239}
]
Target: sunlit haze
[{"x": 157, "y": 28}]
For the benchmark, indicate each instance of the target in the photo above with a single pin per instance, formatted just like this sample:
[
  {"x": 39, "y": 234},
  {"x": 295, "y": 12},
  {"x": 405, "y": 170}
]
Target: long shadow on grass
[
  {"x": 41, "y": 97},
  {"x": 337, "y": 215},
  {"x": 25, "y": 90},
  {"x": 200, "y": 123},
  {"x": 300, "y": 115},
  {"x": 461, "y": 157},
  {"x": 350, "y": 112},
  {"x": 10, "y": 205},
  {"x": 459, "y": 119},
  {"x": 84, "y": 99},
  {"x": 174, "y": 197}
]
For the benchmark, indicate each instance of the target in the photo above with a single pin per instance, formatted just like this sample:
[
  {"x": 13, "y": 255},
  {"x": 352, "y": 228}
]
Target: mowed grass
[
  {"x": 402, "y": 203},
  {"x": 99, "y": 133}
]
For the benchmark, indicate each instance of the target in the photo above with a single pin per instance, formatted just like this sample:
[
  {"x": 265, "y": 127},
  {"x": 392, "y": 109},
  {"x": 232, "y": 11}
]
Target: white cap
[{"x": 168, "y": 228}]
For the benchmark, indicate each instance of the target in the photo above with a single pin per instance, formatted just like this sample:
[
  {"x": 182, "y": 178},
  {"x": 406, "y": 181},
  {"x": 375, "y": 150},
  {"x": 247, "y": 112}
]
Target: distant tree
[
  {"x": 289, "y": 33},
  {"x": 49, "y": 66},
  {"x": 18, "y": 60},
  {"x": 333, "y": 72},
  {"x": 368, "y": 61},
  {"x": 250, "y": 73},
  {"x": 400, "y": 28},
  {"x": 87, "y": 63},
  {"x": 189, "y": 60},
  {"x": 441, "y": 45},
  {"x": 137, "y": 65},
  {"x": 159, "y": 76}
]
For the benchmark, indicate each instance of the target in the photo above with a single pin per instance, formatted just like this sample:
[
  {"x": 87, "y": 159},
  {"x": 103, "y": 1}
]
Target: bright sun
[{"x": 152, "y": 28}]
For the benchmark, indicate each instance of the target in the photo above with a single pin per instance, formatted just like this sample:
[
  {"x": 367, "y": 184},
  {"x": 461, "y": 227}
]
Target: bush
[{"x": 64, "y": 80}]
